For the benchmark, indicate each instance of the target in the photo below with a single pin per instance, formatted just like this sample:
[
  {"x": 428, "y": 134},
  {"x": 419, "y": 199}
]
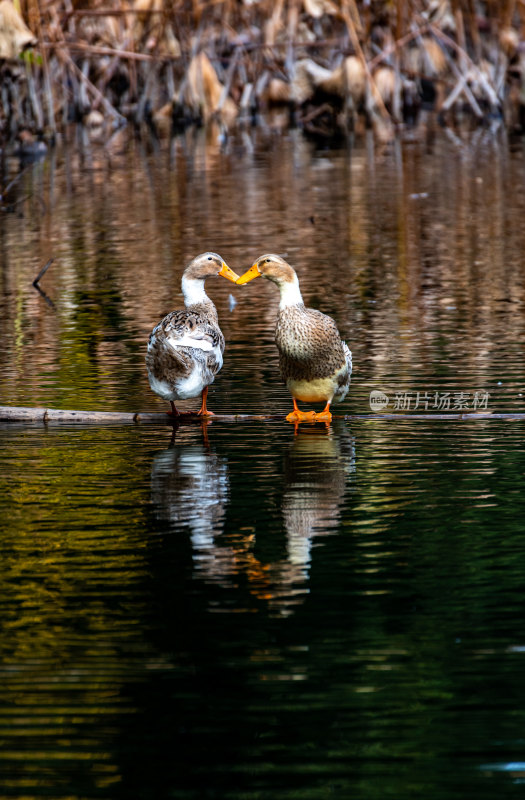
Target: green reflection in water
[{"x": 237, "y": 611}]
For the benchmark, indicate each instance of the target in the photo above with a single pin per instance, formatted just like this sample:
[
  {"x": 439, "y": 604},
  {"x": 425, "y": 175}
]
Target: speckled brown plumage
[
  {"x": 185, "y": 349},
  {"x": 170, "y": 364},
  {"x": 309, "y": 344},
  {"x": 315, "y": 363}
]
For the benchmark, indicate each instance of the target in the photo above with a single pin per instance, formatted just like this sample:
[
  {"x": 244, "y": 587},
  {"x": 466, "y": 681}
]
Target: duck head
[
  {"x": 277, "y": 270},
  {"x": 206, "y": 265},
  {"x": 271, "y": 266}
]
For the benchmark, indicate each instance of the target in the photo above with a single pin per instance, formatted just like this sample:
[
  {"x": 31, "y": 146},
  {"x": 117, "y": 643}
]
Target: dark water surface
[{"x": 240, "y": 610}]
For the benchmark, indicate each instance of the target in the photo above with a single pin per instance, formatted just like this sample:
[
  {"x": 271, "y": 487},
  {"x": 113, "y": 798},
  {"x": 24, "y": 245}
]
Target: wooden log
[{"x": 51, "y": 415}]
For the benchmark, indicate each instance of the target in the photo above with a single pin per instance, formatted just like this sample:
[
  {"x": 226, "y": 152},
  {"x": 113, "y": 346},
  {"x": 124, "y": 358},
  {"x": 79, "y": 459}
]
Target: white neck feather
[
  {"x": 193, "y": 291},
  {"x": 290, "y": 294}
]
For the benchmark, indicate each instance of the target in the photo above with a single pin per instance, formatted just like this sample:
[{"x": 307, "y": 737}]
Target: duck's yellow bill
[
  {"x": 249, "y": 275},
  {"x": 226, "y": 272}
]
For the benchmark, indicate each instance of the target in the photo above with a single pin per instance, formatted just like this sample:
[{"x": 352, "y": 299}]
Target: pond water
[{"x": 246, "y": 610}]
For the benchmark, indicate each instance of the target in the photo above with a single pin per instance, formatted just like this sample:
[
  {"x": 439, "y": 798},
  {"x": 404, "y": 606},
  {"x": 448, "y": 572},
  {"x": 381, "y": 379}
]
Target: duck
[
  {"x": 185, "y": 350},
  {"x": 315, "y": 363}
]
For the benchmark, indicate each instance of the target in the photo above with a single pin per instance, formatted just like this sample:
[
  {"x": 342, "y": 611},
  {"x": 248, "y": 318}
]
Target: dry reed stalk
[
  {"x": 194, "y": 51},
  {"x": 397, "y": 90},
  {"x": 117, "y": 116},
  {"x": 507, "y": 10},
  {"x": 398, "y": 44},
  {"x": 152, "y": 35},
  {"x": 384, "y": 122},
  {"x": 143, "y": 100},
  {"x": 461, "y": 87},
  {"x": 98, "y": 50},
  {"x": 462, "y": 44},
  {"x": 246, "y": 98},
  {"x": 48, "y": 93},
  {"x": 354, "y": 15},
  {"x": 293, "y": 19},
  {"x": 273, "y": 24},
  {"x": 205, "y": 91},
  {"x": 228, "y": 80},
  {"x": 521, "y": 13},
  {"x": 132, "y": 67},
  {"x": 111, "y": 12},
  {"x": 261, "y": 84},
  {"x": 68, "y": 78},
  {"x": 34, "y": 15},
  {"x": 400, "y": 8},
  {"x": 316, "y": 45},
  {"x": 470, "y": 13},
  {"x": 83, "y": 103},
  {"x": 167, "y": 37},
  {"x": 17, "y": 108},
  {"x": 398, "y": 83},
  {"x": 33, "y": 97},
  {"x": 6, "y": 106},
  {"x": 488, "y": 89}
]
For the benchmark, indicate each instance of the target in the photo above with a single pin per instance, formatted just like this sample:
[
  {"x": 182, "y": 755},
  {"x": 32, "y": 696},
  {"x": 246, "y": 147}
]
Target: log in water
[{"x": 50, "y": 415}]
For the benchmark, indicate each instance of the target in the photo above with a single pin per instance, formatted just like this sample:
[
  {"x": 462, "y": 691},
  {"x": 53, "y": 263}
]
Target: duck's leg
[
  {"x": 174, "y": 412},
  {"x": 177, "y": 414},
  {"x": 300, "y": 416},
  {"x": 324, "y": 415},
  {"x": 203, "y": 411}
]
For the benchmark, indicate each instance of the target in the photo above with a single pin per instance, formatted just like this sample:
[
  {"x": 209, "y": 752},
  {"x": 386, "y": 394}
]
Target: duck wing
[
  {"x": 309, "y": 344},
  {"x": 188, "y": 329},
  {"x": 185, "y": 345}
]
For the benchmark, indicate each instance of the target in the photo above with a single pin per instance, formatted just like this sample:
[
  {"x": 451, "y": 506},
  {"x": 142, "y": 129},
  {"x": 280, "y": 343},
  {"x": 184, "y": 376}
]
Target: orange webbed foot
[
  {"x": 301, "y": 416},
  {"x": 324, "y": 415}
]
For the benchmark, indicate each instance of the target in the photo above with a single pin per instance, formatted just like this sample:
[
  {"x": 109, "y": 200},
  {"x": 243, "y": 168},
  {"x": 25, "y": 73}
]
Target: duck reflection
[
  {"x": 190, "y": 487},
  {"x": 316, "y": 471},
  {"x": 317, "y": 468}
]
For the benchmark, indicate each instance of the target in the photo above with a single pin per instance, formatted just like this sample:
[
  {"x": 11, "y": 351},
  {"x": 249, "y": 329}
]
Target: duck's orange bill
[
  {"x": 226, "y": 272},
  {"x": 249, "y": 275}
]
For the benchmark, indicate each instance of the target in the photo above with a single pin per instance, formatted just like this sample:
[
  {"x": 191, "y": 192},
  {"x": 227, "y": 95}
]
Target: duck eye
[{"x": 209, "y": 258}]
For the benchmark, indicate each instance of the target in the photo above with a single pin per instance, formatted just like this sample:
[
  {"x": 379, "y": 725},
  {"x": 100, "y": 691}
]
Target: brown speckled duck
[
  {"x": 185, "y": 349},
  {"x": 315, "y": 363}
]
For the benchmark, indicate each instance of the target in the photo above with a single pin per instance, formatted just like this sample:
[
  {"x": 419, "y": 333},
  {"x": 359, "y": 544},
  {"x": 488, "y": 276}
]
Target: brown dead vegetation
[{"x": 337, "y": 66}]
